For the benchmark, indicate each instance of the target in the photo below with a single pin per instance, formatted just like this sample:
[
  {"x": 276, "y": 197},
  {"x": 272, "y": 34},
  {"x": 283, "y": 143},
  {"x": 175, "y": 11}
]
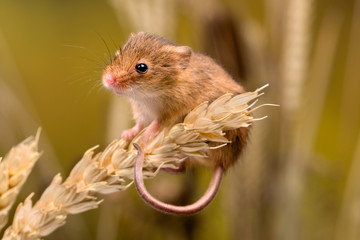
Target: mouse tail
[{"x": 169, "y": 208}]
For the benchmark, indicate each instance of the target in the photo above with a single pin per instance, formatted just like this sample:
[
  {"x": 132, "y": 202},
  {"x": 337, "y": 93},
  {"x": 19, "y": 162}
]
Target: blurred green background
[{"x": 300, "y": 175}]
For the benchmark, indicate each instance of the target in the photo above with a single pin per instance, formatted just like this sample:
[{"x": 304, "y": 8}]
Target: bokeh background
[{"x": 300, "y": 175}]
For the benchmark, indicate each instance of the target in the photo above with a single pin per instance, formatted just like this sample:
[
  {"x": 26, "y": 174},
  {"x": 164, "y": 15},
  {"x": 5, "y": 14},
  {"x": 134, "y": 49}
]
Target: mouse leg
[
  {"x": 129, "y": 134},
  {"x": 169, "y": 208},
  {"x": 151, "y": 131}
]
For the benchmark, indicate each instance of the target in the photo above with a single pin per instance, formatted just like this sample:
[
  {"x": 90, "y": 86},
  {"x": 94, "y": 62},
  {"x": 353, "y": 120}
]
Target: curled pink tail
[{"x": 169, "y": 208}]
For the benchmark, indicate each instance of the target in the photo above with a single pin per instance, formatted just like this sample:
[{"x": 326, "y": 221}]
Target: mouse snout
[
  {"x": 115, "y": 79},
  {"x": 109, "y": 80}
]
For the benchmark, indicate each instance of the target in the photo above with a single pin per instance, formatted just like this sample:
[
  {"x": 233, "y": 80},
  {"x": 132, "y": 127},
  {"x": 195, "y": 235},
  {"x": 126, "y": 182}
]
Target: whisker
[
  {"x": 96, "y": 86},
  {"x": 98, "y": 69},
  {"x": 116, "y": 46},
  {"x": 99, "y": 65},
  {"x": 107, "y": 47},
  {"x": 96, "y": 54},
  {"x": 80, "y": 76}
]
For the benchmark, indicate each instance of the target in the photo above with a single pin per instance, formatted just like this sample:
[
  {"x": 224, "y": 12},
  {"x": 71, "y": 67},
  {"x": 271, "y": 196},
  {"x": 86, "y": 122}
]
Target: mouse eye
[{"x": 141, "y": 68}]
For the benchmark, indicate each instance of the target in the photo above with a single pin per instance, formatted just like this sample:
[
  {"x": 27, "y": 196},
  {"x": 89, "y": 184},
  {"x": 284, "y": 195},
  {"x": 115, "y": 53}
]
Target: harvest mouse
[{"x": 163, "y": 83}]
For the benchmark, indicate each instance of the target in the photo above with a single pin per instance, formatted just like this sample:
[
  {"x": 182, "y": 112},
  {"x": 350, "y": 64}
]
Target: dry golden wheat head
[
  {"x": 14, "y": 170},
  {"x": 112, "y": 170}
]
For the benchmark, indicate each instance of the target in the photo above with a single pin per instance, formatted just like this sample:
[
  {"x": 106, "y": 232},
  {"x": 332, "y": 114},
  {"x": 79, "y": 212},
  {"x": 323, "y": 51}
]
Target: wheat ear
[
  {"x": 14, "y": 170},
  {"x": 112, "y": 170}
]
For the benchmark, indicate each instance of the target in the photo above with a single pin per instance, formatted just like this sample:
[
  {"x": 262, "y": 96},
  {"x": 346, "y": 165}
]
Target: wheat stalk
[
  {"x": 157, "y": 16},
  {"x": 112, "y": 170},
  {"x": 14, "y": 170}
]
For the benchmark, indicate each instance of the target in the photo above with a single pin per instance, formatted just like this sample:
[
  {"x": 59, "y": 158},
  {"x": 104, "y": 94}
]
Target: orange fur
[{"x": 178, "y": 79}]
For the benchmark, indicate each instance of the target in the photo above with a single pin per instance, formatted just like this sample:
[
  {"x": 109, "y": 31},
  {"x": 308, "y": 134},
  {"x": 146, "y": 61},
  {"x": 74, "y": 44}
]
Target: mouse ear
[
  {"x": 185, "y": 50},
  {"x": 185, "y": 53}
]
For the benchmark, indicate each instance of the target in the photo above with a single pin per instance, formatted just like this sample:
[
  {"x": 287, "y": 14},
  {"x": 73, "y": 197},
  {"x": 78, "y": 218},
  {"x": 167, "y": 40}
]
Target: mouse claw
[{"x": 169, "y": 208}]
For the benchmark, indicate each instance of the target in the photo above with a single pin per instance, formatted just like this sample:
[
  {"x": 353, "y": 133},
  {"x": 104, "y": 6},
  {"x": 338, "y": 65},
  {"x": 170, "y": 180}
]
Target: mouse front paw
[{"x": 129, "y": 134}]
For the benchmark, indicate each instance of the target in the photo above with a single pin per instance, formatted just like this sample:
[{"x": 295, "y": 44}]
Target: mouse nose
[{"x": 109, "y": 79}]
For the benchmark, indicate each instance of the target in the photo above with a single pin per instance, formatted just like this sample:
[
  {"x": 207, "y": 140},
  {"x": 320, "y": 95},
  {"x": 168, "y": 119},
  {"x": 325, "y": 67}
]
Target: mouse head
[{"x": 145, "y": 64}]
